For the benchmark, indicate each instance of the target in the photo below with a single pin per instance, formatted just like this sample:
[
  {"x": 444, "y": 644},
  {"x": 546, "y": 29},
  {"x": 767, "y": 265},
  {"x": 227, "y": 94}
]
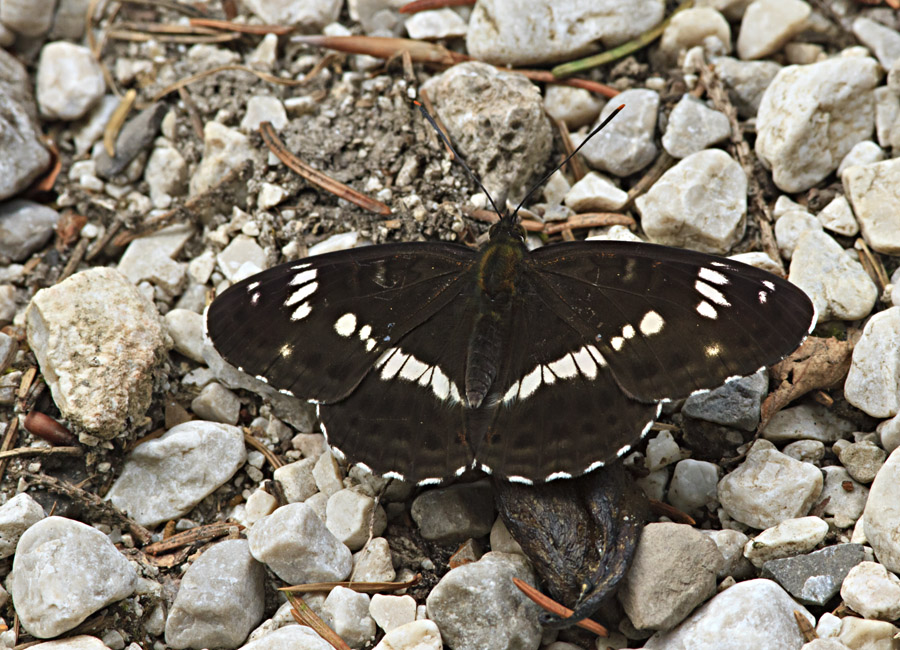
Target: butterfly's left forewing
[{"x": 316, "y": 326}]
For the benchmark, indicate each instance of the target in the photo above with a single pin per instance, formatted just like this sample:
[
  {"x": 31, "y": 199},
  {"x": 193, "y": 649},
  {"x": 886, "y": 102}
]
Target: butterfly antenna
[
  {"x": 458, "y": 157},
  {"x": 541, "y": 182}
]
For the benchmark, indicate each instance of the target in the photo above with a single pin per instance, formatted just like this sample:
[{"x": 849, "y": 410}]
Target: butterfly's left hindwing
[{"x": 316, "y": 326}]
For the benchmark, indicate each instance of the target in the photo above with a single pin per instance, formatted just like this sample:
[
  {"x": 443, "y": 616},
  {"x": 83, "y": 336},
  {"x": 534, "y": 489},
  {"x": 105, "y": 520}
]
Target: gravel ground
[{"x": 761, "y": 129}]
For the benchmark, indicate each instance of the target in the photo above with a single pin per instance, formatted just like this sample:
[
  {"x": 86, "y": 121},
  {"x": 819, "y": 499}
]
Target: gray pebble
[
  {"x": 694, "y": 127},
  {"x": 627, "y": 144},
  {"x": 25, "y": 226},
  {"x": 456, "y": 513},
  {"x": 735, "y": 404},
  {"x": 217, "y": 404},
  {"x": 815, "y": 578}
]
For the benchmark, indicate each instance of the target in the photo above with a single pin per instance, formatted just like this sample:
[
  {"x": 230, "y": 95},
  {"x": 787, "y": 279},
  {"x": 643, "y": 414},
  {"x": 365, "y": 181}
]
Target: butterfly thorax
[{"x": 495, "y": 290}]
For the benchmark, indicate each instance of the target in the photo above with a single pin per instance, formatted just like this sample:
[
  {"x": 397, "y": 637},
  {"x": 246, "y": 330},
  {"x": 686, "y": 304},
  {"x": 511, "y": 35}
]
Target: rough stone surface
[
  {"x": 846, "y": 498},
  {"x": 745, "y": 81},
  {"x": 456, "y": 513},
  {"x": 736, "y": 404},
  {"x": 69, "y": 81},
  {"x": 289, "y": 637},
  {"x": 859, "y": 633},
  {"x": 769, "y": 487},
  {"x": 882, "y": 514},
  {"x": 16, "y": 516},
  {"x": 874, "y": 192},
  {"x": 477, "y": 606},
  {"x": 224, "y": 150},
  {"x": 790, "y": 537},
  {"x": 25, "y": 226},
  {"x": 836, "y": 283},
  {"x": 806, "y": 422},
  {"x": 768, "y": 24},
  {"x": 350, "y": 514},
  {"x": 862, "y": 460},
  {"x": 731, "y": 545},
  {"x": 418, "y": 635},
  {"x": 838, "y": 217},
  {"x": 816, "y": 578},
  {"x": 873, "y": 591},
  {"x": 810, "y": 116},
  {"x": 347, "y": 613},
  {"x": 693, "y": 127},
  {"x": 700, "y": 203},
  {"x": 98, "y": 341},
  {"x": 673, "y": 570},
  {"x": 151, "y": 259},
  {"x": 873, "y": 383},
  {"x": 695, "y": 26},
  {"x": 220, "y": 600},
  {"x": 693, "y": 486},
  {"x": 166, "y": 477},
  {"x": 64, "y": 571},
  {"x": 754, "y": 614},
  {"x": 507, "y": 31},
  {"x": 509, "y": 108},
  {"x": 297, "y": 546},
  {"x": 626, "y": 145}
]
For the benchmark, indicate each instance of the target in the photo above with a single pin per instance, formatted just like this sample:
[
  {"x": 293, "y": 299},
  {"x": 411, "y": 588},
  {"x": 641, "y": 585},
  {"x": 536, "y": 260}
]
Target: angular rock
[
  {"x": 863, "y": 633},
  {"x": 735, "y": 404},
  {"x": 418, "y": 635},
  {"x": 391, "y": 612},
  {"x": 693, "y": 486},
  {"x": 810, "y": 117},
  {"x": 692, "y": 27},
  {"x": 862, "y": 460},
  {"x": 673, "y": 570},
  {"x": 16, "y": 516},
  {"x": 289, "y": 637},
  {"x": 836, "y": 283},
  {"x": 881, "y": 39},
  {"x": 769, "y": 487},
  {"x": 347, "y": 613},
  {"x": 25, "y": 226},
  {"x": 78, "y": 330},
  {"x": 69, "y": 81},
  {"x": 350, "y": 514},
  {"x": 815, "y": 578},
  {"x": 882, "y": 514},
  {"x": 874, "y": 192},
  {"x": 477, "y": 606},
  {"x": 217, "y": 404},
  {"x": 576, "y": 107},
  {"x": 788, "y": 538},
  {"x": 700, "y": 203},
  {"x": 627, "y": 143},
  {"x": 790, "y": 226},
  {"x": 63, "y": 572},
  {"x": 186, "y": 329},
  {"x": 220, "y": 600},
  {"x": 373, "y": 562},
  {"x": 509, "y": 109},
  {"x": 873, "y": 383},
  {"x": 693, "y": 126},
  {"x": 872, "y": 591},
  {"x": 309, "y": 16},
  {"x": 166, "y": 477},
  {"x": 456, "y": 513},
  {"x": 224, "y": 150},
  {"x": 594, "y": 193},
  {"x": 297, "y": 546},
  {"x": 846, "y": 498},
  {"x": 745, "y": 81},
  {"x": 838, "y": 217},
  {"x": 807, "y": 422},
  {"x": 509, "y": 32},
  {"x": 723, "y": 623}
]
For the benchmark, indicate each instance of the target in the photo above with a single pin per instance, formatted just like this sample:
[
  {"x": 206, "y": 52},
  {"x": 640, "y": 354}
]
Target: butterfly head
[{"x": 508, "y": 228}]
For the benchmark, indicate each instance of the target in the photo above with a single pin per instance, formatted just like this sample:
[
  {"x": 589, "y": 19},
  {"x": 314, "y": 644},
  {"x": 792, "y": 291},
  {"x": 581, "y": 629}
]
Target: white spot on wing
[
  {"x": 520, "y": 479},
  {"x": 769, "y": 285},
  {"x": 711, "y": 350},
  {"x": 707, "y": 311},
  {"x": 364, "y": 332},
  {"x": 440, "y": 384},
  {"x": 530, "y": 383},
  {"x": 262, "y": 379},
  {"x": 763, "y": 296},
  {"x": 564, "y": 368},
  {"x": 596, "y": 354},
  {"x": 511, "y": 393},
  {"x": 345, "y": 325},
  {"x": 628, "y": 332},
  {"x": 617, "y": 342},
  {"x": 585, "y": 363},
  {"x": 558, "y": 475},
  {"x": 254, "y": 298},
  {"x": 300, "y": 267},
  {"x": 394, "y": 475},
  {"x": 713, "y": 294},
  {"x": 413, "y": 369},
  {"x": 301, "y": 294},
  {"x": 713, "y": 276},
  {"x": 652, "y": 323},
  {"x": 393, "y": 365},
  {"x": 286, "y": 350},
  {"x": 430, "y": 481},
  {"x": 303, "y": 277},
  {"x": 548, "y": 377},
  {"x": 425, "y": 379},
  {"x": 623, "y": 450},
  {"x": 595, "y": 465},
  {"x": 301, "y": 312},
  {"x": 252, "y": 286}
]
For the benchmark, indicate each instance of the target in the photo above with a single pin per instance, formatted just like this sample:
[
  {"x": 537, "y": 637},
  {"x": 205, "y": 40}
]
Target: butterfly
[{"x": 428, "y": 359}]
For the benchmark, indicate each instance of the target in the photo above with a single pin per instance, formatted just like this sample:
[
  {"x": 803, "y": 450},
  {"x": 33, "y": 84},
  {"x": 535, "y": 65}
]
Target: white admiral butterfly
[{"x": 427, "y": 359}]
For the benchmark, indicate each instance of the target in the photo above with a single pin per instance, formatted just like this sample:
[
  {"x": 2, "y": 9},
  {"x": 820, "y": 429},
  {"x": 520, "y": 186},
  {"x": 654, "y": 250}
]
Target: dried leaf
[{"x": 818, "y": 363}]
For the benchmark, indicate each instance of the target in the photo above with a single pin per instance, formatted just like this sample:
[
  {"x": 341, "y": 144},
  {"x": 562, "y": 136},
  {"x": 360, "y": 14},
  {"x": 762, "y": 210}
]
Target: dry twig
[{"x": 555, "y": 608}]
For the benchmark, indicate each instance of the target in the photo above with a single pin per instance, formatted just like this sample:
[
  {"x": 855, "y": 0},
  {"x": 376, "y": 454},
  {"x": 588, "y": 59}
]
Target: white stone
[
  {"x": 224, "y": 150},
  {"x": 789, "y": 228},
  {"x": 724, "y": 624},
  {"x": 788, "y": 538},
  {"x": 700, "y": 203},
  {"x": 186, "y": 329},
  {"x": 241, "y": 250},
  {"x": 373, "y": 563},
  {"x": 78, "y": 329},
  {"x": 693, "y": 486},
  {"x": 327, "y": 474},
  {"x": 836, "y": 283},
  {"x": 768, "y": 24},
  {"x": 259, "y": 504},
  {"x": 349, "y": 515},
  {"x": 434, "y": 24},
  {"x": 296, "y": 480},
  {"x": 575, "y": 107},
  {"x": 883, "y": 41},
  {"x": 26, "y": 17},
  {"x": 882, "y": 514},
  {"x": 692, "y": 27},
  {"x": 16, "y": 516},
  {"x": 166, "y": 173},
  {"x": 295, "y": 544},
  {"x": 626, "y": 145},
  {"x": 768, "y": 488},
  {"x": 289, "y": 637},
  {"x": 810, "y": 117},
  {"x": 341, "y": 241},
  {"x": 595, "y": 193},
  {"x": 69, "y": 81},
  {"x": 391, "y": 612},
  {"x": 889, "y": 432},
  {"x": 873, "y": 383},
  {"x": 507, "y": 31},
  {"x": 731, "y": 545},
  {"x": 662, "y": 450},
  {"x": 217, "y": 404},
  {"x": 264, "y": 108},
  {"x": 887, "y": 117},
  {"x": 874, "y": 192},
  {"x": 693, "y": 126},
  {"x": 270, "y": 195},
  {"x": 166, "y": 477},
  {"x": 64, "y": 571},
  {"x": 759, "y": 260},
  {"x": 872, "y": 591},
  {"x": 347, "y": 613},
  {"x": 838, "y": 217},
  {"x": 806, "y": 422},
  {"x": 80, "y": 642},
  {"x": 864, "y": 634},
  {"x": 846, "y": 498},
  {"x": 311, "y": 16},
  {"x": 418, "y": 635},
  {"x": 862, "y": 153}
]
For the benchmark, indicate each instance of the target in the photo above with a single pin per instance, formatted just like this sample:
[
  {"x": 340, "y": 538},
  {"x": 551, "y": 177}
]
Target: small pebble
[
  {"x": 872, "y": 591},
  {"x": 790, "y": 537},
  {"x": 873, "y": 382},
  {"x": 69, "y": 81},
  {"x": 882, "y": 517},
  {"x": 768, "y": 24},
  {"x": 453, "y": 514},
  {"x": 349, "y": 516}
]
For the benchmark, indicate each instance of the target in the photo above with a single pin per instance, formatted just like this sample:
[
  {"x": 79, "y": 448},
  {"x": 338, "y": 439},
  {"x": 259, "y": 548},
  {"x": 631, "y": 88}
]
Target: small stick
[
  {"x": 192, "y": 536},
  {"x": 227, "y": 25},
  {"x": 425, "y": 5},
  {"x": 591, "y": 220},
  {"x": 306, "y": 616},
  {"x": 21, "y": 452},
  {"x": 316, "y": 177},
  {"x": 555, "y": 608},
  {"x": 274, "y": 460},
  {"x": 8, "y": 439},
  {"x": 361, "y": 587}
]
